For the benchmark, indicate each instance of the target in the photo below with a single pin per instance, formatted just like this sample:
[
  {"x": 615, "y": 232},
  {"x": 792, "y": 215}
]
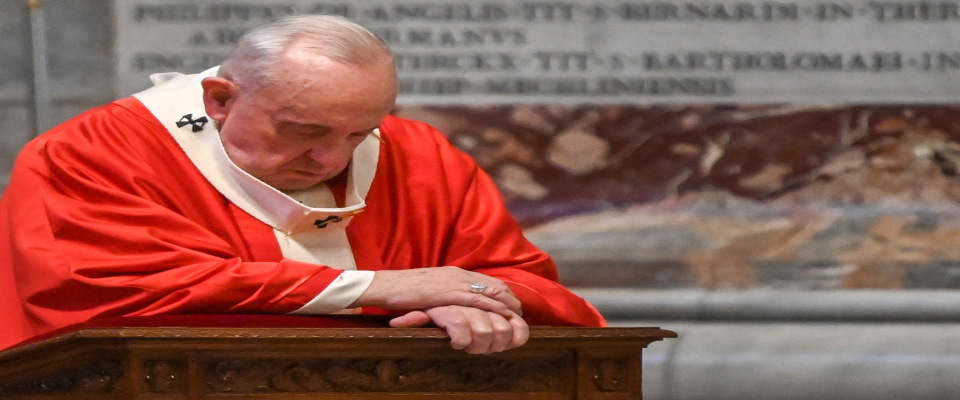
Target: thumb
[{"x": 412, "y": 319}]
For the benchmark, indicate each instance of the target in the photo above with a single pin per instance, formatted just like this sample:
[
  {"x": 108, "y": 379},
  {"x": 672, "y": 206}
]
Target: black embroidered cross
[
  {"x": 322, "y": 223},
  {"x": 197, "y": 124}
]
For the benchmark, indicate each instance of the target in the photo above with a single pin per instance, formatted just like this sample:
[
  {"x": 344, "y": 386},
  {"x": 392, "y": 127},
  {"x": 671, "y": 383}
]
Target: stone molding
[{"x": 774, "y": 305}]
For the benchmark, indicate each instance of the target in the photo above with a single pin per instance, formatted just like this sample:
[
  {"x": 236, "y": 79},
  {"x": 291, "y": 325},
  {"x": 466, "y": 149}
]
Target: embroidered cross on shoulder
[{"x": 196, "y": 124}]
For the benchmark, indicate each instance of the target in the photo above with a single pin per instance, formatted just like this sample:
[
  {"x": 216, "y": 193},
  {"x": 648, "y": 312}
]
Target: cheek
[
  {"x": 260, "y": 160},
  {"x": 252, "y": 153},
  {"x": 332, "y": 156}
]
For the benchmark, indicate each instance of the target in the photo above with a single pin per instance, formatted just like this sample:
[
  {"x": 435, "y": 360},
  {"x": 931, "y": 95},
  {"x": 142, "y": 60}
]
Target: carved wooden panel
[
  {"x": 167, "y": 363},
  {"x": 93, "y": 375},
  {"x": 369, "y": 374},
  {"x": 165, "y": 375},
  {"x": 610, "y": 374}
]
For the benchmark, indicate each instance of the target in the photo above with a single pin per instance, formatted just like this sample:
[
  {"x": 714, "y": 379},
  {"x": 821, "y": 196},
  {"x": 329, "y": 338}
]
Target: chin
[
  {"x": 291, "y": 182},
  {"x": 296, "y": 180},
  {"x": 294, "y": 185}
]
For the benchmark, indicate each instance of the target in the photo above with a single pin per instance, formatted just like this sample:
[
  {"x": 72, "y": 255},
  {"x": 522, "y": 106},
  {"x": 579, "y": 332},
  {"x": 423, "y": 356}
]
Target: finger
[
  {"x": 495, "y": 289},
  {"x": 521, "y": 332},
  {"x": 481, "y": 330},
  {"x": 503, "y": 333},
  {"x": 411, "y": 319},
  {"x": 457, "y": 325},
  {"x": 485, "y": 303},
  {"x": 501, "y": 292}
]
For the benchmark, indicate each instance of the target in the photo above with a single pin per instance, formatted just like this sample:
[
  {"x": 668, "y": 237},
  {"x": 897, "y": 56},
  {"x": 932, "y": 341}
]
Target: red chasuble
[{"x": 105, "y": 216}]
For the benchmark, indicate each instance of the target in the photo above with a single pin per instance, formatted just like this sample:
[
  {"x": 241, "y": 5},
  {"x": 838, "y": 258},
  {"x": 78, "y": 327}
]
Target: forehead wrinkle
[{"x": 298, "y": 68}]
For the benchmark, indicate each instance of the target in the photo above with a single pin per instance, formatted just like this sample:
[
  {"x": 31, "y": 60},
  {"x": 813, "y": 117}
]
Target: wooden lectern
[{"x": 286, "y": 357}]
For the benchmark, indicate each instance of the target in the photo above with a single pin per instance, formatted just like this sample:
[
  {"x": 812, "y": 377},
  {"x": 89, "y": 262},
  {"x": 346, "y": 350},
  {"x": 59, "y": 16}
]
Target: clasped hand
[{"x": 478, "y": 323}]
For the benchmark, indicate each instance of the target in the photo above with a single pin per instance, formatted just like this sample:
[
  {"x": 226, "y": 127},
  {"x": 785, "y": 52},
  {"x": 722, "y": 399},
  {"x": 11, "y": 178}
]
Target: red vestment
[{"x": 105, "y": 216}]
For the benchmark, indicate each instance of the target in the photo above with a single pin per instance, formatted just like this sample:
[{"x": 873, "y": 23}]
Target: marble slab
[{"x": 800, "y": 197}]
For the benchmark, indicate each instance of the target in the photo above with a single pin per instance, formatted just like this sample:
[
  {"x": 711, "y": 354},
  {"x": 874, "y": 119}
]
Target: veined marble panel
[{"x": 803, "y": 197}]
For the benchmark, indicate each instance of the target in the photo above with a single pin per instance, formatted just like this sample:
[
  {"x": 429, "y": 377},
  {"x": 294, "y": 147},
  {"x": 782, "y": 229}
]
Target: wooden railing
[{"x": 260, "y": 357}]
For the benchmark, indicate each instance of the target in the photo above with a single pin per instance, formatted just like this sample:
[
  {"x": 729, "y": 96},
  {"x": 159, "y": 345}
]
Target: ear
[{"x": 218, "y": 96}]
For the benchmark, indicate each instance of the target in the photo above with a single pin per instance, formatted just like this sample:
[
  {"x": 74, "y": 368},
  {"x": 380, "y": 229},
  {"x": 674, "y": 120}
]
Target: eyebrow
[
  {"x": 303, "y": 125},
  {"x": 323, "y": 127}
]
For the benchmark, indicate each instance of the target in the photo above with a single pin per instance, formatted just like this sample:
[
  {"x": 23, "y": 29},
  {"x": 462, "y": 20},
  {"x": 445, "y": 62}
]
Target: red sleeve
[
  {"x": 460, "y": 212},
  {"x": 105, "y": 216},
  {"x": 487, "y": 239}
]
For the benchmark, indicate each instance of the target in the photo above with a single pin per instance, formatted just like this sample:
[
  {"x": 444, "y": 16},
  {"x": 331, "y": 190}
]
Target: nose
[{"x": 331, "y": 157}]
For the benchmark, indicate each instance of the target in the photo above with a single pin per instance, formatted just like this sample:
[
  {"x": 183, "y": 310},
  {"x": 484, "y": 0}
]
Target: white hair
[{"x": 253, "y": 61}]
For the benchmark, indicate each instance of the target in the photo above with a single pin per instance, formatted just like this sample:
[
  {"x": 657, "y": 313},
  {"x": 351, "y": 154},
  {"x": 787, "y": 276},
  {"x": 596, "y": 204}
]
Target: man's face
[{"x": 302, "y": 129}]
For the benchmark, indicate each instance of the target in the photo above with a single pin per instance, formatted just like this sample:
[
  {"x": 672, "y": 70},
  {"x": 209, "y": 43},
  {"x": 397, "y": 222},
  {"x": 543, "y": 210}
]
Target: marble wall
[
  {"x": 778, "y": 196},
  {"x": 78, "y": 39},
  {"x": 15, "y": 124}
]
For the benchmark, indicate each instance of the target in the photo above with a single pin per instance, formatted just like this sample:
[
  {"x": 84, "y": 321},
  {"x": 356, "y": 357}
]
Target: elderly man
[{"x": 278, "y": 183}]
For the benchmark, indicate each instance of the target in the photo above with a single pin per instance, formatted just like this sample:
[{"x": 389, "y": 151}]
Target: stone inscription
[{"x": 597, "y": 51}]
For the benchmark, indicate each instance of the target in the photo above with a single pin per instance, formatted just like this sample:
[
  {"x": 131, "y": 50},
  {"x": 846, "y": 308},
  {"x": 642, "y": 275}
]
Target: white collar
[{"x": 177, "y": 97}]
